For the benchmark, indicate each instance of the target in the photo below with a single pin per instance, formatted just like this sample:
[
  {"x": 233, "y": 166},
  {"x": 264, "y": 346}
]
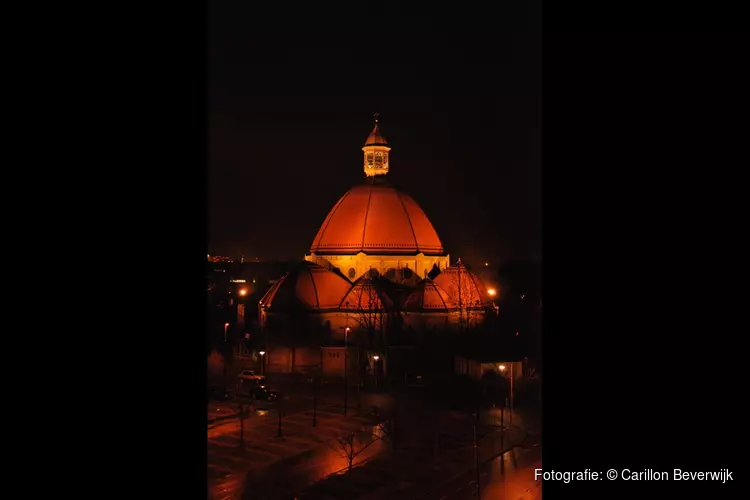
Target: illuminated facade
[{"x": 375, "y": 262}]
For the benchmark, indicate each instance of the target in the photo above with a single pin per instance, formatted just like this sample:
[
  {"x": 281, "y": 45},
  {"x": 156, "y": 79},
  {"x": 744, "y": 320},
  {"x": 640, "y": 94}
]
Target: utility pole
[
  {"x": 502, "y": 436},
  {"x": 460, "y": 301},
  {"x": 242, "y": 428},
  {"x": 476, "y": 450},
  {"x": 346, "y": 359},
  {"x": 315, "y": 400}
]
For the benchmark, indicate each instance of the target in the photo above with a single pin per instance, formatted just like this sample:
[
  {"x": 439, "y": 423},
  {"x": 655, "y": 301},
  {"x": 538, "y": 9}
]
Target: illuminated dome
[
  {"x": 366, "y": 294},
  {"x": 376, "y": 218},
  {"x": 462, "y": 284},
  {"x": 429, "y": 296},
  {"x": 307, "y": 286}
]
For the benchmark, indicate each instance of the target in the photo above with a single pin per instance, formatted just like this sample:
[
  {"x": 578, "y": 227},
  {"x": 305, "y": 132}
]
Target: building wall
[
  {"x": 361, "y": 263},
  {"x": 282, "y": 359}
]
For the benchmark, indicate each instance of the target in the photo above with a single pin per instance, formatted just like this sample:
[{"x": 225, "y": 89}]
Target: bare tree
[
  {"x": 464, "y": 291},
  {"x": 370, "y": 310},
  {"x": 351, "y": 444}
]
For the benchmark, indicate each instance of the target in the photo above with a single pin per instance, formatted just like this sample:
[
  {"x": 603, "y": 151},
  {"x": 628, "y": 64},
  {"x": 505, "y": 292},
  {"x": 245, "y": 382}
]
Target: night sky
[{"x": 289, "y": 113}]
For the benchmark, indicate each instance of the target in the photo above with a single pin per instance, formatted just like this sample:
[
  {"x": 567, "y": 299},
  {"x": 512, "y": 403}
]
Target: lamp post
[
  {"x": 262, "y": 364},
  {"x": 242, "y": 428},
  {"x": 375, "y": 366},
  {"x": 346, "y": 349},
  {"x": 315, "y": 400},
  {"x": 225, "y": 355},
  {"x": 512, "y": 367},
  {"x": 510, "y": 376},
  {"x": 492, "y": 293}
]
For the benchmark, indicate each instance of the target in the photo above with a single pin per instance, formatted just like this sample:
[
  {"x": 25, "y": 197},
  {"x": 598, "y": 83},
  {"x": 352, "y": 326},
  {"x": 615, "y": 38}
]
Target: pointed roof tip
[{"x": 376, "y": 137}]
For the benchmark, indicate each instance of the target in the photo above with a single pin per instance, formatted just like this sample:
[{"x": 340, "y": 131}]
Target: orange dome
[
  {"x": 376, "y": 218},
  {"x": 307, "y": 286},
  {"x": 366, "y": 294},
  {"x": 429, "y": 296},
  {"x": 472, "y": 291}
]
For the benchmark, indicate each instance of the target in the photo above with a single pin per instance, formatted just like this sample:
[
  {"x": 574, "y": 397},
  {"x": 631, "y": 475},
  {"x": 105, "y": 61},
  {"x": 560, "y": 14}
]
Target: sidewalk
[
  {"x": 412, "y": 468},
  {"x": 268, "y": 464}
]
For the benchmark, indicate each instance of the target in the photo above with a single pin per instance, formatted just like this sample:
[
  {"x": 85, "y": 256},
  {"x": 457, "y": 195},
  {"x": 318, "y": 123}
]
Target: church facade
[{"x": 376, "y": 275}]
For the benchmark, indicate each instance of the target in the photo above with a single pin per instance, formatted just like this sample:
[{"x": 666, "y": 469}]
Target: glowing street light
[
  {"x": 226, "y": 325},
  {"x": 243, "y": 292},
  {"x": 262, "y": 364},
  {"x": 492, "y": 292},
  {"x": 375, "y": 369},
  {"x": 501, "y": 368}
]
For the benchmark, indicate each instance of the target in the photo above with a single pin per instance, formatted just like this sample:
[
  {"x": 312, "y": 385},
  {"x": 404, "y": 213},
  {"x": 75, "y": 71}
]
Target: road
[
  {"x": 514, "y": 480},
  {"x": 304, "y": 454}
]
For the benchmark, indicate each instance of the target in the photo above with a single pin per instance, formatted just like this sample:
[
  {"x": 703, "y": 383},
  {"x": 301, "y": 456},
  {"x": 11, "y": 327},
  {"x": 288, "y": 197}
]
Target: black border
[
  {"x": 640, "y": 371},
  {"x": 640, "y": 234}
]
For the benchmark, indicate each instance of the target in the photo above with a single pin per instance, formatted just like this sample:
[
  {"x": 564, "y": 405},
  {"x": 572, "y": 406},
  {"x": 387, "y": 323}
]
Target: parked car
[
  {"x": 250, "y": 375},
  {"x": 263, "y": 393}
]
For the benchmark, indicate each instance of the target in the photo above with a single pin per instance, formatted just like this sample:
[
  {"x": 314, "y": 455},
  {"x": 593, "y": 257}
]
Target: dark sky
[{"x": 288, "y": 114}]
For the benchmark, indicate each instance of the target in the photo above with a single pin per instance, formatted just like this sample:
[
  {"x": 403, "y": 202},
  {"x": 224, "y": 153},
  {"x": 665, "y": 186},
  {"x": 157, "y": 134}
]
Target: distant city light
[
  {"x": 522, "y": 296},
  {"x": 486, "y": 264},
  {"x": 239, "y": 281},
  {"x": 501, "y": 368}
]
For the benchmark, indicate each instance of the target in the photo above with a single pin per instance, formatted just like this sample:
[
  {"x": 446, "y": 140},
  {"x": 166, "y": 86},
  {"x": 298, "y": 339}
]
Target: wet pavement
[
  {"x": 303, "y": 462},
  {"x": 305, "y": 451}
]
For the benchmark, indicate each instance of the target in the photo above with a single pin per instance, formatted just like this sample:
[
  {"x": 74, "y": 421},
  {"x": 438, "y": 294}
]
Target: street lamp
[
  {"x": 375, "y": 366},
  {"x": 225, "y": 355},
  {"x": 262, "y": 364},
  {"x": 243, "y": 292},
  {"x": 346, "y": 349},
  {"x": 502, "y": 370},
  {"x": 492, "y": 292}
]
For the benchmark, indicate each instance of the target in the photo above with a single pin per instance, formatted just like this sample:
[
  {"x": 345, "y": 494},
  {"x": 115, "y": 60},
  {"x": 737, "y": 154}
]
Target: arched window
[
  {"x": 369, "y": 159},
  {"x": 352, "y": 272}
]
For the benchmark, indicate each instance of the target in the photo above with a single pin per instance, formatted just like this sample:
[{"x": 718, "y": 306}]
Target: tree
[
  {"x": 351, "y": 444},
  {"x": 369, "y": 308},
  {"x": 465, "y": 292}
]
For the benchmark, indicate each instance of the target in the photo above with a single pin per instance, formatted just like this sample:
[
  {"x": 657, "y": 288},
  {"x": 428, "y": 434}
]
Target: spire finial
[{"x": 376, "y": 115}]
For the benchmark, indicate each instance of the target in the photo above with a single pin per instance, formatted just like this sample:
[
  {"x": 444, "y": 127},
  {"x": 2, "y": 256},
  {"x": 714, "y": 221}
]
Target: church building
[{"x": 376, "y": 276}]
